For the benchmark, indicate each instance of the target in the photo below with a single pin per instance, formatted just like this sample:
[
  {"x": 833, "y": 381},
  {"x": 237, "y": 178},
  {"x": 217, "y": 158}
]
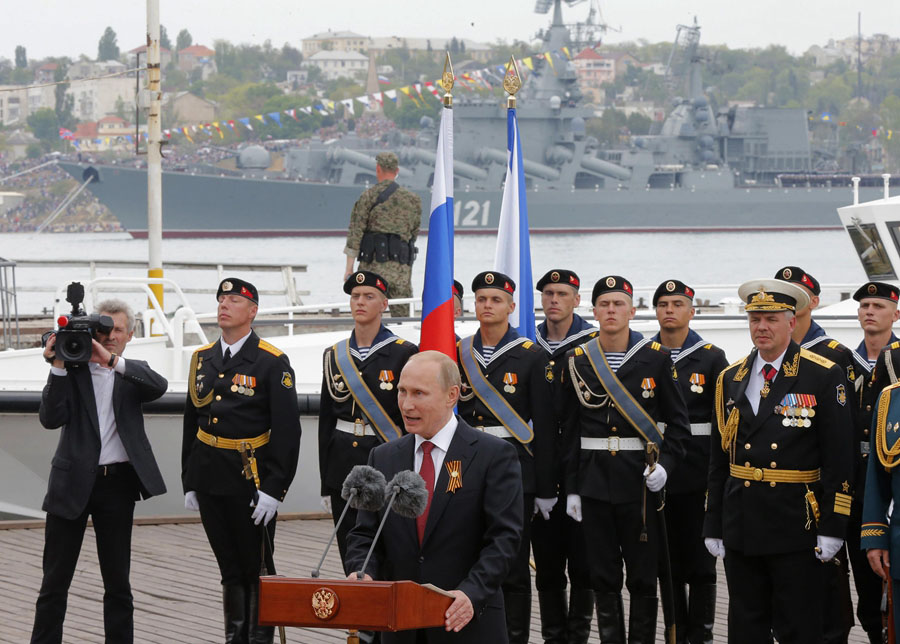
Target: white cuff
[
  {"x": 120, "y": 366},
  {"x": 56, "y": 371}
]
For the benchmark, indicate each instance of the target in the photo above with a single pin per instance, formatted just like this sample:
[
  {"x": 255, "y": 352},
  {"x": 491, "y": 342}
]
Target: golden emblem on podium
[{"x": 325, "y": 603}]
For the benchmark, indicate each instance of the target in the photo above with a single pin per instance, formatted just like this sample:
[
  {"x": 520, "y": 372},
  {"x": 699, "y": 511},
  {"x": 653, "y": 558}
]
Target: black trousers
[
  {"x": 519, "y": 578},
  {"x": 868, "y": 584},
  {"x": 612, "y": 532},
  {"x": 234, "y": 539},
  {"x": 780, "y": 593},
  {"x": 111, "y": 507},
  {"x": 691, "y": 561},
  {"x": 558, "y": 545},
  {"x": 337, "y": 506}
]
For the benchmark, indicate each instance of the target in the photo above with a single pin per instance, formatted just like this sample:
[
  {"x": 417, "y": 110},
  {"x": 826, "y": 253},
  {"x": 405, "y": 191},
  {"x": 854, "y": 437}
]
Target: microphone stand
[
  {"x": 360, "y": 573},
  {"x": 353, "y": 492}
]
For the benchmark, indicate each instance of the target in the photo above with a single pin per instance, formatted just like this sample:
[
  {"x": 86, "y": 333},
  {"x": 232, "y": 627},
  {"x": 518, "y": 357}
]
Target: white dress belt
[
  {"x": 697, "y": 429},
  {"x": 353, "y": 428},
  {"x": 497, "y": 430},
  {"x": 613, "y": 443}
]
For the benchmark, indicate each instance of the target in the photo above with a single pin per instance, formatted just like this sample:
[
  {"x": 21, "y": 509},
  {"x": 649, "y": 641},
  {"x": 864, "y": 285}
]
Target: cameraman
[{"x": 103, "y": 464}]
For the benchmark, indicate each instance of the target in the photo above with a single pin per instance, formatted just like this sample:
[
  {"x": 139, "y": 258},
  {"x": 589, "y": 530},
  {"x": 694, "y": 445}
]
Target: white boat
[{"x": 26, "y": 448}]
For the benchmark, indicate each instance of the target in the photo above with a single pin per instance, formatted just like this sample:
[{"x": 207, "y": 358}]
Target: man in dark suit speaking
[
  {"x": 469, "y": 533},
  {"x": 103, "y": 464}
]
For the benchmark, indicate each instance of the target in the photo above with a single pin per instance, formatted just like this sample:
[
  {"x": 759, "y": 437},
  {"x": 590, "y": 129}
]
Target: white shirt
[
  {"x": 234, "y": 347},
  {"x": 754, "y": 385},
  {"x": 441, "y": 442},
  {"x": 103, "y": 379}
]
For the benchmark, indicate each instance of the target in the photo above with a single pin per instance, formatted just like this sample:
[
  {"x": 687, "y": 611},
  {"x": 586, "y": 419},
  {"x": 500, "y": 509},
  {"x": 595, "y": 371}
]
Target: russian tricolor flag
[
  {"x": 437, "y": 296},
  {"x": 513, "y": 256}
]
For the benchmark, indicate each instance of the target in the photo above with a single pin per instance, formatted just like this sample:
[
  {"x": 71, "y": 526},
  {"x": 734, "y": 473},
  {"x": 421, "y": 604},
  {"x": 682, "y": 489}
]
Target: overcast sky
[{"x": 67, "y": 27}]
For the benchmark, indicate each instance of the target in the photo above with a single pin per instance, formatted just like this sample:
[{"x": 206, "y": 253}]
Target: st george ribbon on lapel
[{"x": 408, "y": 497}]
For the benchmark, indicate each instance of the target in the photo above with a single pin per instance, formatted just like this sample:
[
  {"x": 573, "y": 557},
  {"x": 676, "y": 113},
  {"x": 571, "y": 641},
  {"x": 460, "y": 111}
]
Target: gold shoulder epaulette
[
  {"x": 205, "y": 347},
  {"x": 528, "y": 344},
  {"x": 579, "y": 351},
  {"x": 265, "y": 346},
  {"x": 895, "y": 345},
  {"x": 399, "y": 341},
  {"x": 834, "y": 344},
  {"x": 707, "y": 346},
  {"x": 815, "y": 357},
  {"x": 656, "y": 346}
]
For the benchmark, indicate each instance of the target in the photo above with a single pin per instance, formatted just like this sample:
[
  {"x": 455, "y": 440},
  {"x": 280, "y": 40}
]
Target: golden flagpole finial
[
  {"x": 447, "y": 81},
  {"x": 512, "y": 82}
]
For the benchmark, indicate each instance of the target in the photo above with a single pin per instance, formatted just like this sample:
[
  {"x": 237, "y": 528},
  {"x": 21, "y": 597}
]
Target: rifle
[
  {"x": 667, "y": 590},
  {"x": 266, "y": 555}
]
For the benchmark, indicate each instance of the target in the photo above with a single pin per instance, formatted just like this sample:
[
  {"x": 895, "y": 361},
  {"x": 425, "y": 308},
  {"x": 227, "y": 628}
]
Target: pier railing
[{"x": 9, "y": 309}]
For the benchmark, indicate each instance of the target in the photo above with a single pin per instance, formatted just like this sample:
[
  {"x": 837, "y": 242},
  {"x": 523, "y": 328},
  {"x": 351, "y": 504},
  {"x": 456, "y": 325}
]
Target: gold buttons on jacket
[
  {"x": 746, "y": 445},
  {"x": 215, "y": 420},
  {"x": 865, "y": 432},
  {"x": 746, "y": 483},
  {"x": 868, "y": 407},
  {"x": 774, "y": 446},
  {"x": 218, "y": 398},
  {"x": 613, "y": 429},
  {"x": 355, "y": 444},
  {"x": 773, "y": 465},
  {"x": 221, "y": 375}
]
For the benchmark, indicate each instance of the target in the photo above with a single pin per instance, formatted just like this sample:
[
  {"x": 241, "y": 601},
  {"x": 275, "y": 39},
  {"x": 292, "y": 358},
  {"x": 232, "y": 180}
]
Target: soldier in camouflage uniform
[{"x": 383, "y": 229}]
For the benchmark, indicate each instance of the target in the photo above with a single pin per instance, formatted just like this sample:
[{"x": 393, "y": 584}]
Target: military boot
[
  {"x": 553, "y": 616},
  {"x": 518, "y": 617},
  {"x": 610, "y": 618},
  {"x": 235, "y": 604},
  {"x": 681, "y": 612},
  {"x": 581, "y": 613},
  {"x": 642, "y": 620},
  {"x": 258, "y": 634},
  {"x": 702, "y": 614}
]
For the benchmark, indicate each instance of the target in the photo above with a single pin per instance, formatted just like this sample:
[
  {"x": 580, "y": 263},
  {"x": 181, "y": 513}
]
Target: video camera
[{"x": 77, "y": 330}]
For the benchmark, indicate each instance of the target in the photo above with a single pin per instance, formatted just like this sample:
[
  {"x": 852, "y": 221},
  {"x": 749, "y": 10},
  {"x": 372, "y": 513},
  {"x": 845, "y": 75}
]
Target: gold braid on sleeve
[
  {"x": 192, "y": 384},
  {"x": 727, "y": 429},
  {"x": 887, "y": 456}
]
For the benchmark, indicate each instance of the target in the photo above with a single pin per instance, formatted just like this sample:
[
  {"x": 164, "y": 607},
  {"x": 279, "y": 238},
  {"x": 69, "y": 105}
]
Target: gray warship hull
[{"x": 208, "y": 206}]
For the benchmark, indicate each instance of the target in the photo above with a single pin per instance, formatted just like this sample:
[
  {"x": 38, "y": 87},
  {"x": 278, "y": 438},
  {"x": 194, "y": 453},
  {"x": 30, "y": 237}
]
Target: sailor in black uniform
[
  {"x": 618, "y": 386},
  {"x": 781, "y": 467},
  {"x": 241, "y": 398},
  {"x": 698, "y": 363},
  {"x": 350, "y": 426},
  {"x": 558, "y": 541},
  {"x": 506, "y": 393}
]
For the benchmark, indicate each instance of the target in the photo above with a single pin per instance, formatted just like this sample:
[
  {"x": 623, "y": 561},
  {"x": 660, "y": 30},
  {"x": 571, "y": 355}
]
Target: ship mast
[{"x": 154, "y": 153}]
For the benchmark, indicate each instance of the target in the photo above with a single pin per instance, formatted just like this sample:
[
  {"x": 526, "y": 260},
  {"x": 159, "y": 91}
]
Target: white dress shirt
[
  {"x": 754, "y": 385},
  {"x": 103, "y": 379},
  {"x": 441, "y": 442},
  {"x": 234, "y": 347}
]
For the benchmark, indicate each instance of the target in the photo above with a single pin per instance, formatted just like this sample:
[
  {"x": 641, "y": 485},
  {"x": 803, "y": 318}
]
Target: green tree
[
  {"x": 108, "y": 48},
  {"x": 63, "y": 103},
  {"x": 164, "y": 38},
  {"x": 21, "y": 57},
  {"x": 44, "y": 125},
  {"x": 183, "y": 40},
  {"x": 33, "y": 151},
  {"x": 120, "y": 108},
  {"x": 637, "y": 123}
]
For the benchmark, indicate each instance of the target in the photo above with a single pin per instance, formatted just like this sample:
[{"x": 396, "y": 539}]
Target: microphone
[
  {"x": 363, "y": 489},
  {"x": 408, "y": 497}
]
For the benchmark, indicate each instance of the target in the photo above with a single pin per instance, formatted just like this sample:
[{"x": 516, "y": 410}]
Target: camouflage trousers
[{"x": 399, "y": 279}]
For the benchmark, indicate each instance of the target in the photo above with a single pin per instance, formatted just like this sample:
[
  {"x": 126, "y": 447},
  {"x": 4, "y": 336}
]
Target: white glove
[
  {"x": 544, "y": 506},
  {"x": 716, "y": 547},
  {"x": 266, "y": 507},
  {"x": 326, "y": 504},
  {"x": 827, "y": 547},
  {"x": 190, "y": 501},
  {"x": 573, "y": 506},
  {"x": 656, "y": 480}
]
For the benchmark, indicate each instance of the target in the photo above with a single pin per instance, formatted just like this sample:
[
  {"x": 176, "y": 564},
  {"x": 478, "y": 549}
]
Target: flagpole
[{"x": 154, "y": 154}]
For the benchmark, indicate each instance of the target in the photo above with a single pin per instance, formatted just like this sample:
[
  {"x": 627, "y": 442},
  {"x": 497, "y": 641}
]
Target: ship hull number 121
[{"x": 471, "y": 213}]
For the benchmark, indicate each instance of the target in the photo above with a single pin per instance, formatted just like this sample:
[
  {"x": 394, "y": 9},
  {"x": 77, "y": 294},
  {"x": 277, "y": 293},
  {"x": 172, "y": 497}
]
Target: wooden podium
[{"x": 351, "y": 604}]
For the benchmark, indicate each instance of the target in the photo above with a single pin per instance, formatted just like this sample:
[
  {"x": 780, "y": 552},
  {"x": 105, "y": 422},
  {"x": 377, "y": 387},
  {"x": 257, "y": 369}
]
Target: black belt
[{"x": 114, "y": 469}]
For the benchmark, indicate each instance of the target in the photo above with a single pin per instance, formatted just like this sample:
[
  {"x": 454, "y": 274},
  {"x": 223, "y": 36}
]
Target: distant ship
[{"x": 736, "y": 169}]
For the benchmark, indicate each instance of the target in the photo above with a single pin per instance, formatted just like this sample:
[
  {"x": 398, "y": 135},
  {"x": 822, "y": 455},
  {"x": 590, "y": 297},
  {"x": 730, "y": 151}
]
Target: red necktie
[{"x": 426, "y": 471}]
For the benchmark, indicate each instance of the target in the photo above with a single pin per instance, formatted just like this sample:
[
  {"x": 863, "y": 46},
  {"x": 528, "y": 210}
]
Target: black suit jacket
[
  {"x": 68, "y": 402},
  {"x": 471, "y": 537},
  {"x": 762, "y": 519}
]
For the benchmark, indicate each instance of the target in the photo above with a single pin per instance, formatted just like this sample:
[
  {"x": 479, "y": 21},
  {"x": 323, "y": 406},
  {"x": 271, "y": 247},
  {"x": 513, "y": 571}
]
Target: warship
[{"x": 705, "y": 170}]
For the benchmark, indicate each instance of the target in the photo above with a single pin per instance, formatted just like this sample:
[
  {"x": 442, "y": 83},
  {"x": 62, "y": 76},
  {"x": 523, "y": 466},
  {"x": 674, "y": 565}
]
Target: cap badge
[
  {"x": 227, "y": 286},
  {"x": 872, "y": 289},
  {"x": 573, "y": 280},
  {"x": 554, "y": 276},
  {"x": 246, "y": 293},
  {"x": 489, "y": 278},
  {"x": 786, "y": 273},
  {"x": 360, "y": 278},
  {"x": 610, "y": 281},
  {"x": 379, "y": 284},
  {"x": 762, "y": 296},
  {"x": 670, "y": 286},
  {"x": 507, "y": 287}
]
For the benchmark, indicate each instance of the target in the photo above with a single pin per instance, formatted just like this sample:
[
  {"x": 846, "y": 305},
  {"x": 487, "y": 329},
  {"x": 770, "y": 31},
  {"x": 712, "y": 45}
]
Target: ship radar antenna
[
  {"x": 512, "y": 82},
  {"x": 447, "y": 79}
]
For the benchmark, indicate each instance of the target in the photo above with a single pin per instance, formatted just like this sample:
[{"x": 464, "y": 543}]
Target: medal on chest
[
  {"x": 245, "y": 385},
  {"x": 798, "y": 410},
  {"x": 386, "y": 378},
  {"x": 697, "y": 382},
  {"x": 649, "y": 386},
  {"x": 510, "y": 380}
]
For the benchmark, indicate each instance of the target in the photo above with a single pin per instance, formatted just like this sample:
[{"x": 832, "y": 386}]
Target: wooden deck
[{"x": 175, "y": 583}]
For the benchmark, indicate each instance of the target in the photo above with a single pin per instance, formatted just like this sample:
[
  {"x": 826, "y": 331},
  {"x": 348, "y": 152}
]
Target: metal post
[
  {"x": 887, "y": 185},
  {"x": 154, "y": 152},
  {"x": 855, "y": 181}
]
